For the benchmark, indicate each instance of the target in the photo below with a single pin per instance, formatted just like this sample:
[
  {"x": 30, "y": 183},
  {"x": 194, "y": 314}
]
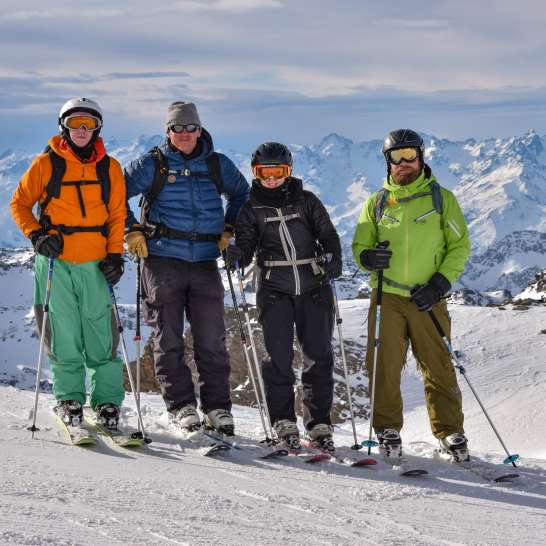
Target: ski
[
  {"x": 401, "y": 466},
  {"x": 341, "y": 459},
  {"x": 203, "y": 443},
  {"x": 117, "y": 437},
  {"x": 78, "y": 436},
  {"x": 487, "y": 471}
]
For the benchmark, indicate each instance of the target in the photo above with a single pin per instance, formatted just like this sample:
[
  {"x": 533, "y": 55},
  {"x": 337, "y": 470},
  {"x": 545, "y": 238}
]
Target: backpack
[
  {"x": 383, "y": 194},
  {"x": 53, "y": 191},
  {"x": 161, "y": 172}
]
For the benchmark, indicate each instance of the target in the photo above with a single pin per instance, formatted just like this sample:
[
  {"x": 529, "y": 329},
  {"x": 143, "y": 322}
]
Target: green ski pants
[
  {"x": 402, "y": 323},
  {"x": 80, "y": 331}
]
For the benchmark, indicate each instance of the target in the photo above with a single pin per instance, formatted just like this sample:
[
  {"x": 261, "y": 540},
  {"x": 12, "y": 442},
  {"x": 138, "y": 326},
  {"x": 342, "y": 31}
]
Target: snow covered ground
[{"x": 54, "y": 493}]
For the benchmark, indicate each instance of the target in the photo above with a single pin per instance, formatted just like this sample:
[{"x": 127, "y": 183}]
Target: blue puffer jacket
[{"x": 190, "y": 203}]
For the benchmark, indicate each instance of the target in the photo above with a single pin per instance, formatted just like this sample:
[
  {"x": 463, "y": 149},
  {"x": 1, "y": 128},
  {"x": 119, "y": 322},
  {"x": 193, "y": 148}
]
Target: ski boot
[
  {"x": 221, "y": 421},
  {"x": 390, "y": 443},
  {"x": 70, "y": 412},
  {"x": 187, "y": 419},
  {"x": 288, "y": 434},
  {"x": 456, "y": 446},
  {"x": 321, "y": 436},
  {"x": 108, "y": 416}
]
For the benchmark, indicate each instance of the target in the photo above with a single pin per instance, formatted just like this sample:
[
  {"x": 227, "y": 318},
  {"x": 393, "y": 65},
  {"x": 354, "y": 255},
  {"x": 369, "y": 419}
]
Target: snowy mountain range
[{"x": 500, "y": 184}]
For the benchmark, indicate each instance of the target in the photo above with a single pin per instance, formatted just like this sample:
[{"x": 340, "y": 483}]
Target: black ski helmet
[
  {"x": 271, "y": 153},
  {"x": 403, "y": 138}
]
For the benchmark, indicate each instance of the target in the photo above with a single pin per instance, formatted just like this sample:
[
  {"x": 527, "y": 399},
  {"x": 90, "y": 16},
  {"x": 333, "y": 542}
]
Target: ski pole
[
  {"x": 137, "y": 339},
  {"x": 51, "y": 263},
  {"x": 253, "y": 347},
  {"x": 246, "y": 348},
  {"x": 339, "y": 321},
  {"x": 141, "y": 433},
  {"x": 510, "y": 458},
  {"x": 369, "y": 443}
]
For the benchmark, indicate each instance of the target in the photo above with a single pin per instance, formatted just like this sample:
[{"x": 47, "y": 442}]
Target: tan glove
[
  {"x": 136, "y": 242},
  {"x": 225, "y": 238}
]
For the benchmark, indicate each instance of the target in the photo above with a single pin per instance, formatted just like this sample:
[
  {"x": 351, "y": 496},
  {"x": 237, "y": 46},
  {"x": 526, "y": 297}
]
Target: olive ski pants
[{"x": 401, "y": 324}]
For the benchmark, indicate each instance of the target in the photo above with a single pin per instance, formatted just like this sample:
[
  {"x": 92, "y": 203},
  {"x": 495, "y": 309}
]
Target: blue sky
[{"x": 277, "y": 69}]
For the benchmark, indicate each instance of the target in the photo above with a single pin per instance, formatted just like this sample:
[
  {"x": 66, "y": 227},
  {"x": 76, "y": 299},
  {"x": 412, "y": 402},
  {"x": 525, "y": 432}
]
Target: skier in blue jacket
[{"x": 182, "y": 230}]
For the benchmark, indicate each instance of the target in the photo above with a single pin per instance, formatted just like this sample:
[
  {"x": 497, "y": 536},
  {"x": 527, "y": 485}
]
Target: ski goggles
[
  {"x": 402, "y": 154},
  {"x": 179, "y": 128},
  {"x": 263, "y": 172},
  {"x": 89, "y": 123}
]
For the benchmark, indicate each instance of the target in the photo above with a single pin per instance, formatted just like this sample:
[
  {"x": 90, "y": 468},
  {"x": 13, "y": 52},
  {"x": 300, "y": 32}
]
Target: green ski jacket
[{"x": 422, "y": 241}]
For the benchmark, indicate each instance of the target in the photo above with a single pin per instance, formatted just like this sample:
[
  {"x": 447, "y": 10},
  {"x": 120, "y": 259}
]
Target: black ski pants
[
  {"x": 170, "y": 288},
  {"x": 312, "y": 314}
]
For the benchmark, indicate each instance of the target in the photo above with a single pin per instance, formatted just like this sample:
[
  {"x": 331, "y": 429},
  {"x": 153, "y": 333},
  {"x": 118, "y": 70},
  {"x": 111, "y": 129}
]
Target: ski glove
[
  {"x": 136, "y": 241},
  {"x": 225, "y": 238},
  {"x": 376, "y": 259},
  {"x": 333, "y": 266},
  {"x": 112, "y": 268},
  {"x": 233, "y": 256},
  {"x": 427, "y": 295},
  {"x": 47, "y": 244}
]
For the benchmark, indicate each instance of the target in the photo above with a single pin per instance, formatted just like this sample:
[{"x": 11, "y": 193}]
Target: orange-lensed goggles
[
  {"x": 263, "y": 172},
  {"x": 402, "y": 154},
  {"x": 90, "y": 123}
]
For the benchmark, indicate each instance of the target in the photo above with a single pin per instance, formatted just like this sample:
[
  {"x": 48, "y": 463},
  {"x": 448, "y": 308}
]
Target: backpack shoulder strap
[
  {"x": 161, "y": 170},
  {"x": 380, "y": 202},
  {"x": 215, "y": 172},
  {"x": 58, "y": 169},
  {"x": 103, "y": 176},
  {"x": 437, "y": 199}
]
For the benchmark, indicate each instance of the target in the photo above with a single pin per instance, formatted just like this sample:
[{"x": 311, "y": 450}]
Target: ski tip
[
  {"x": 364, "y": 462},
  {"x": 275, "y": 454},
  {"x": 317, "y": 458},
  {"x": 369, "y": 443},
  {"x": 414, "y": 472},
  {"x": 506, "y": 478}
]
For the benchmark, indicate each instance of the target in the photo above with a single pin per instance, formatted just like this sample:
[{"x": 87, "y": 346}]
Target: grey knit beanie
[{"x": 183, "y": 113}]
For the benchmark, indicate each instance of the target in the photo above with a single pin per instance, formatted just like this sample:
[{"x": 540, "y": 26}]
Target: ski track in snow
[{"x": 53, "y": 493}]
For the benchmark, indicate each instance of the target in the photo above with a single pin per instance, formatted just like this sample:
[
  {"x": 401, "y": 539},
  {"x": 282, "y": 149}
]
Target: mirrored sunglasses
[
  {"x": 402, "y": 154},
  {"x": 179, "y": 128},
  {"x": 89, "y": 123},
  {"x": 263, "y": 172}
]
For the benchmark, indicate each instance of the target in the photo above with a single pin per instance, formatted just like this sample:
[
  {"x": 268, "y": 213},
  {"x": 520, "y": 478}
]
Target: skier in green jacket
[{"x": 428, "y": 246}]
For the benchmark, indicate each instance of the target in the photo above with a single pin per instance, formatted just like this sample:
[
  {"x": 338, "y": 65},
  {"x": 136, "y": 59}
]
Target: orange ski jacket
[{"x": 67, "y": 209}]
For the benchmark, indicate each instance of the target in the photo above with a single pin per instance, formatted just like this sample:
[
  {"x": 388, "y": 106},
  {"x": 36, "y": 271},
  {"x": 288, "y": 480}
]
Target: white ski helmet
[{"x": 79, "y": 105}]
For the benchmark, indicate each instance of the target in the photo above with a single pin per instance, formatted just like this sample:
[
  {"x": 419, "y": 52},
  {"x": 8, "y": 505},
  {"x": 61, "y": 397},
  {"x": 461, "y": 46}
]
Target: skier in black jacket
[{"x": 297, "y": 250}]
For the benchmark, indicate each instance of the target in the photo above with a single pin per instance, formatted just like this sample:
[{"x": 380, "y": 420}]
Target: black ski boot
[
  {"x": 108, "y": 416},
  {"x": 288, "y": 434},
  {"x": 321, "y": 436},
  {"x": 70, "y": 412},
  {"x": 390, "y": 443},
  {"x": 456, "y": 446}
]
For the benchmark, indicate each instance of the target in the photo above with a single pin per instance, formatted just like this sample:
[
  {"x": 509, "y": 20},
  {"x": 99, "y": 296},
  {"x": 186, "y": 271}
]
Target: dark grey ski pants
[
  {"x": 170, "y": 288},
  {"x": 312, "y": 314}
]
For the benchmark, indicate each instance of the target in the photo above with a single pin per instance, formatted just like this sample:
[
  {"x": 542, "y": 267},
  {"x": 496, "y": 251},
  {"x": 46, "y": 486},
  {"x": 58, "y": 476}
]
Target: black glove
[
  {"x": 233, "y": 255},
  {"x": 112, "y": 268},
  {"x": 333, "y": 266},
  {"x": 47, "y": 244},
  {"x": 376, "y": 259},
  {"x": 429, "y": 294}
]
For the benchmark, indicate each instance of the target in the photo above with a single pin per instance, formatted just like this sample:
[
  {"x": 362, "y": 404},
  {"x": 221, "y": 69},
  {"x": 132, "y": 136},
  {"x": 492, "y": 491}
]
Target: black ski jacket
[{"x": 290, "y": 231}]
